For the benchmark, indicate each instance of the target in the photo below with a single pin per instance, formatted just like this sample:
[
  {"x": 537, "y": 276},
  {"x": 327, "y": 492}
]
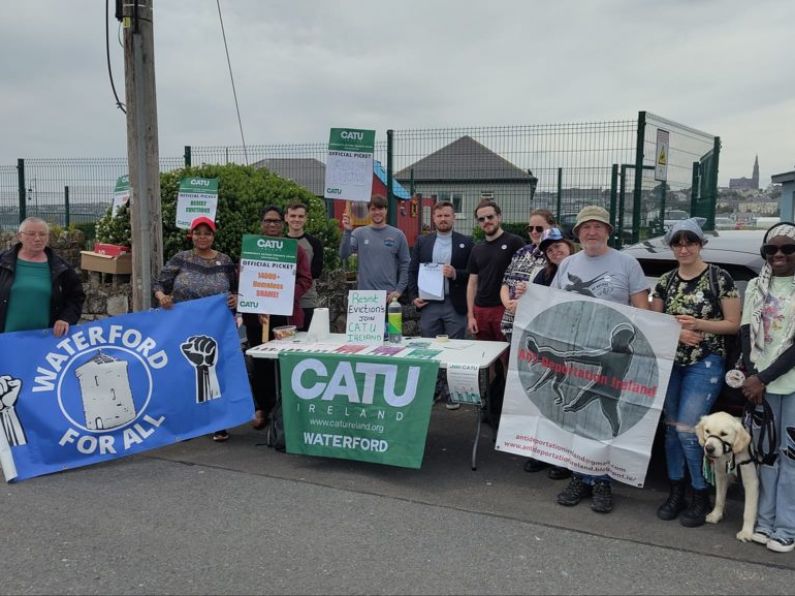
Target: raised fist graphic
[
  {"x": 9, "y": 394},
  {"x": 202, "y": 352}
]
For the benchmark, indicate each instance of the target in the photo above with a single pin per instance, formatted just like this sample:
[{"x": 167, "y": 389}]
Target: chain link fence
[{"x": 560, "y": 167}]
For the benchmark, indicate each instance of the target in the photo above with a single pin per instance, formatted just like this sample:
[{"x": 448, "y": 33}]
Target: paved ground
[{"x": 201, "y": 517}]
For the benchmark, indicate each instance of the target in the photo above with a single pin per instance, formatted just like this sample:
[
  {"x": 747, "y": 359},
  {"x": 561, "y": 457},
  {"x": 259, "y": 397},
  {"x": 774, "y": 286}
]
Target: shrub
[{"x": 242, "y": 193}]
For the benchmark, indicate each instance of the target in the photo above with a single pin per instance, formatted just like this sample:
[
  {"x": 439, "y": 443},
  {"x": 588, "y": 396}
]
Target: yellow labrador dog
[{"x": 725, "y": 443}]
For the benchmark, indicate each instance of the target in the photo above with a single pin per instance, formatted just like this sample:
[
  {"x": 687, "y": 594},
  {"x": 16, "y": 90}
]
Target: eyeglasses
[
  {"x": 483, "y": 218},
  {"x": 687, "y": 245},
  {"x": 36, "y": 234},
  {"x": 536, "y": 229},
  {"x": 771, "y": 249},
  {"x": 272, "y": 222}
]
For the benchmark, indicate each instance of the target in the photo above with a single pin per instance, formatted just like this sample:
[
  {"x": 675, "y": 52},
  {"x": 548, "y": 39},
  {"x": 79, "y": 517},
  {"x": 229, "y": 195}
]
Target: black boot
[
  {"x": 696, "y": 514},
  {"x": 675, "y": 503}
]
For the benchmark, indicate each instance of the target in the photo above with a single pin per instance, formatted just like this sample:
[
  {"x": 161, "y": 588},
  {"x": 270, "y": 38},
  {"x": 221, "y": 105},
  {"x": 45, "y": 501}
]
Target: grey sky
[{"x": 303, "y": 66}]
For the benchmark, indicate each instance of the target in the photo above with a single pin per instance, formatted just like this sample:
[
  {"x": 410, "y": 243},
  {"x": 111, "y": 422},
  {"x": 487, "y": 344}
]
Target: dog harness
[{"x": 731, "y": 464}]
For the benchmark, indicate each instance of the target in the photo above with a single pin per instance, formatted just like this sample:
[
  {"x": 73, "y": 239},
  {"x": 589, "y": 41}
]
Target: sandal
[{"x": 221, "y": 436}]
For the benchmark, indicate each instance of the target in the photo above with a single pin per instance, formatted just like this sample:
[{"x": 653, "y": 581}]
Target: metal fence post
[
  {"x": 559, "y": 204},
  {"x": 22, "y": 192},
  {"x": 637, "y": 191},
  {"x": 187, "y": 156},
  {"x": 621, "y": 205},
  {"x": 613, "y": 199},
  {"x": 713, "y": 188},
  {"x": 66, "y": 206},
  {"x": 390, "y": 196},
  {"x": 694, "y": 187}
]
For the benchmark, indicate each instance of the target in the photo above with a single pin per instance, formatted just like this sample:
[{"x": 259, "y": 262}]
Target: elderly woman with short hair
[{"x": 38, "y": 289}]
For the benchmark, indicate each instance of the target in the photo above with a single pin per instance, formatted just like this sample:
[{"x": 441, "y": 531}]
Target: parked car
[{"x": 736, "y": 251}]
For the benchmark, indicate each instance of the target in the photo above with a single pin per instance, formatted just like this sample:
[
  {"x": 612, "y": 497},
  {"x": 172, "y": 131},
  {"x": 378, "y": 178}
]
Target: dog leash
[{"x": 765, "y": 450}]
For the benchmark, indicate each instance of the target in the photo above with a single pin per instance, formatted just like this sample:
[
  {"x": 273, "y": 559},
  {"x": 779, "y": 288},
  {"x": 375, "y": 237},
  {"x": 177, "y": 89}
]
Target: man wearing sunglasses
[{"x": 487, "y": 264}]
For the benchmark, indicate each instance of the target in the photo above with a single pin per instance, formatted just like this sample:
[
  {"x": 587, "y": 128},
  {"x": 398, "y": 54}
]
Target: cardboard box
[
  {"x": 111, "y": 250},
  {"x": 93, "y": 261}
]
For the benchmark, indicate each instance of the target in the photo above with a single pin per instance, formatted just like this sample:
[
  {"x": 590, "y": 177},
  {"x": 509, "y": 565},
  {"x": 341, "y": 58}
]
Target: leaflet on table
[
  {"x": 423, "y": 354},
  {"x": 463, "y": 382}
]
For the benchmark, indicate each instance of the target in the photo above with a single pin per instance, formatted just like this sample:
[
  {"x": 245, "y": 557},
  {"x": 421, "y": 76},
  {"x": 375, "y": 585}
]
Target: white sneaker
[
  {"x": 781, "y": 545},
  {"x": 760, "y": 537},
  {"x": 452, "y": 406}
]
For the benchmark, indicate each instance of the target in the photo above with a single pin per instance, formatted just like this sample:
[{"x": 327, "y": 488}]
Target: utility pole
[{"x": 142, "y": 149}]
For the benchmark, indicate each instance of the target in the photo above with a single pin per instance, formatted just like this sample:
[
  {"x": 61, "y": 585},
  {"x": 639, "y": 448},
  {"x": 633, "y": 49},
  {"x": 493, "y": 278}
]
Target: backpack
[{"x": 274, "y": 430}]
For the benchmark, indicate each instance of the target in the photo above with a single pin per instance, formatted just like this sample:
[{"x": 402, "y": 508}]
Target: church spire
[{"x": 755, "y": 175}]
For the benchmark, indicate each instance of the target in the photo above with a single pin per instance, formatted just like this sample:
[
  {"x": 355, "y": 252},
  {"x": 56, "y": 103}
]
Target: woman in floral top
[
  {"x": 705, "y": 302},
  {"x": 525, "y": 265},
  {"x": 197, "y": 273}
]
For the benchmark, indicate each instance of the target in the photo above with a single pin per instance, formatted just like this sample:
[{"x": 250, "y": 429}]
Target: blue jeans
[
  {"x": 777, "y": 482},
  {"x": 691, "y": 392}
]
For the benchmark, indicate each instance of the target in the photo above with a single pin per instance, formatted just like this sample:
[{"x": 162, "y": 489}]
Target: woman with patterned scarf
[{"x": 767, "y": 332}]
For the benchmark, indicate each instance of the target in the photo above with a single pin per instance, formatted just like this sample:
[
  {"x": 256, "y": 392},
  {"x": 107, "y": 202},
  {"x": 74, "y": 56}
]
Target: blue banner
[{"x": 119, "y": 386}]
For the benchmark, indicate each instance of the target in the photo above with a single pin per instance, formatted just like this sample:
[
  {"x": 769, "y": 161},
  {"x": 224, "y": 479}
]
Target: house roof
[
  {"x": 463, "y": 160},
  {"x": 311, "y": 174},
  {"x": 307, "y": 172}
]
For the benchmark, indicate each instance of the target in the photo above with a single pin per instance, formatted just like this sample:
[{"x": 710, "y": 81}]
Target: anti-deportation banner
[
  {"x": 121, "y": 194},
  {"x": 586, "y": 383},
  {"x": 267, "y": 275},
  {"x": 365, "y": 408},
  {"x": 196, "y": 197},
  {"x": 349, "y": 166},
  {"x": 119, "y": 387}
]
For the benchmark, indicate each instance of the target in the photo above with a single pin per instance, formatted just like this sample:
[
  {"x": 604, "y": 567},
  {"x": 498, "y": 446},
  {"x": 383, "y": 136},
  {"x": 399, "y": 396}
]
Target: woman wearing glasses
[
  {"x": 264, "y": 378},
  {"x": 38, "y": 289},
  {"x": 767, "y": 333},
  {"x": 706, "y": 303}
]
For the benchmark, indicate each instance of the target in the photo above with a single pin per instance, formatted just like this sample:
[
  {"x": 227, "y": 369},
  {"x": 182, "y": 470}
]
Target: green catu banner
[{"x": 364, "y": 408}]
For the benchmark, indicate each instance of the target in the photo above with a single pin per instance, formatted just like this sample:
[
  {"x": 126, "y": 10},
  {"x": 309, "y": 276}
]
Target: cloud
[{"x": 302, "y": 67}]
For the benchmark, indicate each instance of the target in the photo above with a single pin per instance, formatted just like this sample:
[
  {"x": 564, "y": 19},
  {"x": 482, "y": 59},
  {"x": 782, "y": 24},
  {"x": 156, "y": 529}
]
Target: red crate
[{"x": 112, "y": 250}]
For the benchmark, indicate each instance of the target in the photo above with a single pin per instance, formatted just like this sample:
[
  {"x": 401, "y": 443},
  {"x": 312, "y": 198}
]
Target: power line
[
  {"x": 119, "y": 104},
  {"x": 232, "y": 78}
]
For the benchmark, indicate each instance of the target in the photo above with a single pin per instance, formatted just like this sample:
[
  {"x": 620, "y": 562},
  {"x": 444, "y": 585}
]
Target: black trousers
[{"x": 265, "y": 377}]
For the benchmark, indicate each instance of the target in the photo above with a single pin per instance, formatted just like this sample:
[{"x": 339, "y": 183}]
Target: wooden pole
[{"x": 142, "y": 149}]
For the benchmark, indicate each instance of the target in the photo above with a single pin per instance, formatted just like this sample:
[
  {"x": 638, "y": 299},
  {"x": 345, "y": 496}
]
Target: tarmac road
[{"x": 206, "y": 518}]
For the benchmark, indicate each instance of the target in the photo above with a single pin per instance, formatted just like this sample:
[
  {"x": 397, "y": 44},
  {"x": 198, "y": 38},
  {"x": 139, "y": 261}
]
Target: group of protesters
[{"x": 483, "y": 283}]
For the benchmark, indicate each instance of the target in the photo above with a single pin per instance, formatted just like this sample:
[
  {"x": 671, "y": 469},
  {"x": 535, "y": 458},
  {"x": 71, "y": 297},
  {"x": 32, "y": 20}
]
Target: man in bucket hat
[{"x": 601, "y": 272}]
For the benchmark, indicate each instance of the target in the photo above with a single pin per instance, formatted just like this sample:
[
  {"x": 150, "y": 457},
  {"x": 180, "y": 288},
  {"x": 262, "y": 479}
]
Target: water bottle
[{"x": 394, "y": 321}]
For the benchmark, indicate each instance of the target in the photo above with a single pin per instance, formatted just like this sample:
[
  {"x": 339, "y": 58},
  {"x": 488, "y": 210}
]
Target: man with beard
[
  {"x": 451, "y": 250},
  {"x": 488, "y": 261},
  {"x": 487, "y": 264},
  {"x": 382, "y": 250}
]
